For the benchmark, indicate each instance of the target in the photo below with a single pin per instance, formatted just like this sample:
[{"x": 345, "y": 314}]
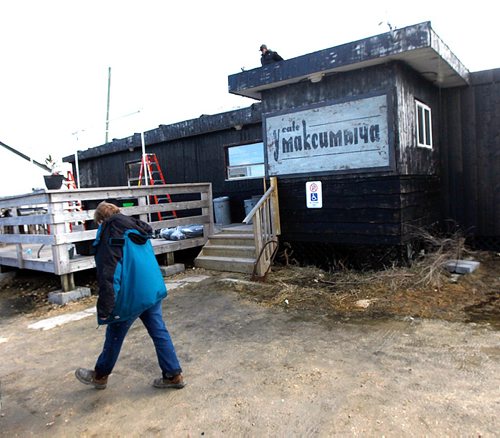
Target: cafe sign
[{"x": 339, "y": 137}]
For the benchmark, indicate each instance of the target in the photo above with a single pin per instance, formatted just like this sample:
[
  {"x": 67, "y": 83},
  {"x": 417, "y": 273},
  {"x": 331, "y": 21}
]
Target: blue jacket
[{"x": 128, "y": 275}]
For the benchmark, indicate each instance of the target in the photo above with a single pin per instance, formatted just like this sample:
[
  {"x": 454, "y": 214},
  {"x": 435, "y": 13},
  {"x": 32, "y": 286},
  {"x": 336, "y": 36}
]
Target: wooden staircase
[
  {"x": 230, "y": 250},
  {"x": 249, "y": 248}
]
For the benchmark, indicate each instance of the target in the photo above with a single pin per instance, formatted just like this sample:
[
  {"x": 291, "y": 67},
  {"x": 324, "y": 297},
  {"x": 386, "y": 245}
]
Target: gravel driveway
[{"x": 254, "y": 371}]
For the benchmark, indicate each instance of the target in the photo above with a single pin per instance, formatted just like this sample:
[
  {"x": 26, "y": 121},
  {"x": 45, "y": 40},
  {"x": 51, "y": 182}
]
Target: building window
[
  {"x": 424, "y": 125},
  {"x": 245, "y": 161}
]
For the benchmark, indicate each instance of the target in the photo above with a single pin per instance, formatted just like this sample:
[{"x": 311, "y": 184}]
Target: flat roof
[
  {"x": 233, "y": 119},
  {"x": 417, "y": 45}
]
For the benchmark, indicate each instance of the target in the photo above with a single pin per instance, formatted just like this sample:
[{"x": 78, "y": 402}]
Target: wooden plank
[
  {"x": 77, "y": 236},
  {"x": 73, "y": 216},
  {"x": 169, "y": 223},
  {"x": 19, "y": 246},
  {"x": 35, "y": 265},
  {"x": 27, "y": 238},
  {"x": 207, "y": 211},
  {"x": 60, "y": 253},
  {"x": 36, "y": 219},
  {"x": 125, "y": 192},
  {"x": 81, "y": 263},
  {"x": 165, "y": 207},
  {"x": 27, "y": 200},
  {"x": 259, "y": 243},
  {"x": 78, "y": 216},
  {"x": 265, "y": 229},
  {"x": 275, "y": 210},
  {"x": 142, "y": 202},
  {"x": 162, "y": 246}
]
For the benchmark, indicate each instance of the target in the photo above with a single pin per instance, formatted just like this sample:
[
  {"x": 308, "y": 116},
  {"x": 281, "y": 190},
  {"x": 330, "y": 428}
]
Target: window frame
[
  {"x": 423, "y": 124},
  {"x": 227, "y": 165}
]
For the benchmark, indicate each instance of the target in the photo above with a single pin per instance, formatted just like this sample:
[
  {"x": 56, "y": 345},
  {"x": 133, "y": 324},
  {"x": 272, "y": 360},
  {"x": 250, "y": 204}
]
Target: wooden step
[
  {"x": 236, "y": 230},
  {"x": 228, "y": 264},
  {"x": 240, "y": 239},
  {"x": 244, "y": 251}
]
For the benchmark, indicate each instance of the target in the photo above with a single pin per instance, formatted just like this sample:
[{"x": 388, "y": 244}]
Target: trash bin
[
  {"x": 249, "y": 204},
  {"x": 221, "y": 210}
]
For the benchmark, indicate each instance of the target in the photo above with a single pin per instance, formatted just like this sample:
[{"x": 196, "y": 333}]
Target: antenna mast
[{"x": 107, "y": 106}]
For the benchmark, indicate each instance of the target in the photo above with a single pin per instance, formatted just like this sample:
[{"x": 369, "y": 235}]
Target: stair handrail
[{"x": 266, "y": 227}]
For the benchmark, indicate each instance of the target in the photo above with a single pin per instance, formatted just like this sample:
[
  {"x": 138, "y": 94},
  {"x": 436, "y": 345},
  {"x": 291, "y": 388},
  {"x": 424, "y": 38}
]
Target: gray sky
[{"x": 171, "y": 59}]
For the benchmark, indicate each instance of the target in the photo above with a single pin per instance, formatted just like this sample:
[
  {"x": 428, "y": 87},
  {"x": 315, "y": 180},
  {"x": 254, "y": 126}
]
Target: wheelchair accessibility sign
[{"x": 314, "y": 195}]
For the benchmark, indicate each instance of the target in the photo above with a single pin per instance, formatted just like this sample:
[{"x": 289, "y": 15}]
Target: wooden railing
[
  {"x": 42, "y": 227},
  {"x": 266, "y": 228}
]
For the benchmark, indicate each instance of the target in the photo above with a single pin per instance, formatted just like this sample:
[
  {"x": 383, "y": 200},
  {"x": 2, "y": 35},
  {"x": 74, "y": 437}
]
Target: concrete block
[
  {"x": 61, "y": 297},
  {"x": 167, "y": 271},
  {"x": 462, "y": 266}
]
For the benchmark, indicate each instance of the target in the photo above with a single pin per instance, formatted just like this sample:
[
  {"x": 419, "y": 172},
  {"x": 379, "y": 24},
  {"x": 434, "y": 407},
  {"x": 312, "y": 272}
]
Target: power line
[{"x": 19, "y": 153}]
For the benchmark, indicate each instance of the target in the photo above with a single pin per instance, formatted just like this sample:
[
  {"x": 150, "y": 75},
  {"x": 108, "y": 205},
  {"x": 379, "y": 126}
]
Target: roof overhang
[{"x": 418, "y": 46}]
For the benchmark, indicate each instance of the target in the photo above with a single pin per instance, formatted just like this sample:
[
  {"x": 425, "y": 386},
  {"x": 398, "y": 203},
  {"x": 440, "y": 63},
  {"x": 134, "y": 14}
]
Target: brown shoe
[
  {"x": 176, "y": 382},
  {"x": 88, "y": 378}
]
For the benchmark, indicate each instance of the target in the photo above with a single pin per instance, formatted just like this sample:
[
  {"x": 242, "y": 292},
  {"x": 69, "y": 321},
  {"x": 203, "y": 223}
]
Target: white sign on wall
[
  {"x": 314, "y": 194},
  {"x": 343, "y": 136}
]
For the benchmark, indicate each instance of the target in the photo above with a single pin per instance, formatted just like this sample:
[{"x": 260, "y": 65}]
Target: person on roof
[
  {"x": 268, "y": 56},
  {"x": 130, "y": 286}
]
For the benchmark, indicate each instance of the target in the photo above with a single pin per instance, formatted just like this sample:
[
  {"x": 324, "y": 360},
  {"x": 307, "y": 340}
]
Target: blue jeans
[{"x": 116, "y": 332}]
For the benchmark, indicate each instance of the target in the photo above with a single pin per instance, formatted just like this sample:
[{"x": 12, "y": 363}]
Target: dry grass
[{"x": 425, "y": 289}]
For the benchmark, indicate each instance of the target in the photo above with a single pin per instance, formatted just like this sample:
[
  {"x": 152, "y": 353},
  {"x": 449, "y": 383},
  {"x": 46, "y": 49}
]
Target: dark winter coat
[
  {"x": 128, "y": 275},
  {"x": 269, "y": 57}
]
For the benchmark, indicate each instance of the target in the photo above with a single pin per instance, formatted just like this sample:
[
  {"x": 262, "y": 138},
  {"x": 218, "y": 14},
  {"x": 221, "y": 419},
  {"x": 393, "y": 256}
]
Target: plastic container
[
  {"x": 249, "y": 204},
  {"x": 222, "y": 211}
]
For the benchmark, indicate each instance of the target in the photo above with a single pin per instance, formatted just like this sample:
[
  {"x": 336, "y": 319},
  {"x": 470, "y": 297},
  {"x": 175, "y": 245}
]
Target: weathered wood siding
[
  {"x": 192, "y": 152},
  {"x": 412, "y": 159},
  {"x": 341, "y": 86},
  {"x": 470, "y": 159},
  {"x": 461, "y": 171},
  {"x": 369, "y": 207},
  {"x": 385, "y": 209}
]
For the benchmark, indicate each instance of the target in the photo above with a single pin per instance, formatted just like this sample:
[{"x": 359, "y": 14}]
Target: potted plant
[{"x": 55, "y": 179}]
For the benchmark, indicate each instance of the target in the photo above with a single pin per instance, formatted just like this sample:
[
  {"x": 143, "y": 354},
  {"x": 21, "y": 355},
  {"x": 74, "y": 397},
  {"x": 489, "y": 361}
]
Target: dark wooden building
[{"x": 368, "y": 140}]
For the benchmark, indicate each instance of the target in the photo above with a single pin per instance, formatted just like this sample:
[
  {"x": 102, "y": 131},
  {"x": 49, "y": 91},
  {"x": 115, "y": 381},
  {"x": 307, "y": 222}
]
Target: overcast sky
[{"x": 171, "y": 60}]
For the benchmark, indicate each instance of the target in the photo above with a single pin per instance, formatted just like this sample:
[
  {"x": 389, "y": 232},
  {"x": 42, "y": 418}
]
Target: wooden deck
[{"x": 44, "y": 226}]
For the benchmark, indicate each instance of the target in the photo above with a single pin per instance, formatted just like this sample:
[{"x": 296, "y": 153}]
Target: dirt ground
[{"x": 308, "y": 353}]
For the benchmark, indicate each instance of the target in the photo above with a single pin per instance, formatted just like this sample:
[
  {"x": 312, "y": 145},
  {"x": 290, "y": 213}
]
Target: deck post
[
  {"x": 275, "y": 210},
  {"x": 59, "y": 251},
  {"x": 208, "y": 229},
  {"x": 68, "y": 282},
  {"x": 143, "y": 201},
  {"x": 170, "y": 259},
  {"x": 19, "y": 246}
]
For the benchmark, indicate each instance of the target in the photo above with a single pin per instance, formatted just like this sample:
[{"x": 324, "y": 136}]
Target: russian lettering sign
[{"x": 336, "y": 137}]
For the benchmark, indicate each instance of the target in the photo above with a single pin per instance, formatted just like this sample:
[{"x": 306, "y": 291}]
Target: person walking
[
  {"x": 268, "y": 56},
  {"x": 130, "y": 286}
]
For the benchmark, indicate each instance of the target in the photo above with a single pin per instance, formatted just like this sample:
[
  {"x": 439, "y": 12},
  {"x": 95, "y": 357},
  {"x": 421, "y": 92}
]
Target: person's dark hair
[{"x": 105, "y": 210}]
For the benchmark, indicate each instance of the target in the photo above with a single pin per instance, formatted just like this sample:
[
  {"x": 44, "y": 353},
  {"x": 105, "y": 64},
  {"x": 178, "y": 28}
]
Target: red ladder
[{"x": 154, "y": 177}]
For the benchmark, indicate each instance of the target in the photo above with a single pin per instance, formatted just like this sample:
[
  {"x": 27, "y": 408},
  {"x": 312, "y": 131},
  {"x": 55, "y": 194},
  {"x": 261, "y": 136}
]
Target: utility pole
[{"x": 107, "y": 106}]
